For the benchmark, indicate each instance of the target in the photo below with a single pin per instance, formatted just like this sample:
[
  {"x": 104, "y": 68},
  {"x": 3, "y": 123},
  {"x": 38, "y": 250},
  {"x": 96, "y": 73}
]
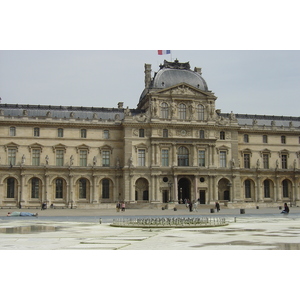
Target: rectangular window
[
  {"x": 246, "y": 138},
  {"x": 83, "y": 158},
  {"x": 35, "y": 188},
  {"x": 165, "y": 133},
  {"x": 83, "y": 133},
  {"x": 141, "y": 157},
  {"x": 165, "y": 158},
  {"x": 201, "y": 134},
  {"x": 265, "y": 139},
  {"x": 36, "y": 153},
  {"x": 10, "y": 188},
  {"x": 266, "y": 161},
  {"x": 201, "y": 158},
  {"x": 60, "y": 132},
  {"x": 59, "y": 157},
  {"x": 12, "y": 131},
  {"x": 247, "y": 161},
  {"x": 223, "y": 163},
  {"x": 12, "y": 156},
  {"x": 141, "y": 132},
  {"x": 283, "y": 139},
  {"x": 105, "y": 134},
  {"x": 36, "y": 131},
  {"x": 284, "y": 161},
  {"x": 105, "y": 158}
]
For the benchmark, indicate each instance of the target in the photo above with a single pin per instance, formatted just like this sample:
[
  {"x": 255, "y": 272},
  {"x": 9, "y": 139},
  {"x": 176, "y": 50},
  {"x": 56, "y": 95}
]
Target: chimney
[{"x": 147, "y": 75}]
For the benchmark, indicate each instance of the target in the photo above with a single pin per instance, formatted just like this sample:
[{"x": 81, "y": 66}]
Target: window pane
[
  {"x": 247, "y": 189},
  {"x": 83, "y": 133},
  {"x": 200, "y": 112},
  {"x": 105, "y": 158},
  {"x": 59, "y": 188},
  {"x": 12, "y": 131},
  {"x": 165, "y": 158},
  {"x": 60, "y": 132},
  {"x": 59, "y": 157},
  {"x": 35, "y": 188},
  {"x": 182, "y": 112},
  {"x": 284, "y": 161},
  {"x": 285, "y": 189},
  {"x": 12, "y": 156},
  {"x": 105, "y": 134},
  {"x": 165, "y": 111},
  {"x": 36, "y": 157},
  {"x": 266, "y": 161},
  {"x": 247, "y": 161},
  {"x": 141, "y": 158},
  {"x": 183, "y": 156},
  {"x": 201, "y": 158},
  {"x": 223, "y": 159},
  {"x": 36, "y": 131},
  {"x": 222, "y": 135},
  {"x": 82, "y": 188},
  {"x": 267, "y": 189},
  {"x": 141, "y": 133},
  {"x": 10, "y": 188},
  {"x": 83, "y": 158},
  {"x": 165, "y": 133},
  {"x": 265, "y": 139}
]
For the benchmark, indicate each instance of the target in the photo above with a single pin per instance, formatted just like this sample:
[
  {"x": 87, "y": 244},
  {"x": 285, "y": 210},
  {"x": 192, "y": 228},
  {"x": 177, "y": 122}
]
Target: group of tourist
[{"x": 120, "y": 206}]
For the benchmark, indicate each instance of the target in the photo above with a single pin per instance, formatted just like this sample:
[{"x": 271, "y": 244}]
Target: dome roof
[{"x": 172, "y": 73}]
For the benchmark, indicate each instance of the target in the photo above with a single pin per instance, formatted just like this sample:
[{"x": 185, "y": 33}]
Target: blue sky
[{"x": 254, "y": 82}]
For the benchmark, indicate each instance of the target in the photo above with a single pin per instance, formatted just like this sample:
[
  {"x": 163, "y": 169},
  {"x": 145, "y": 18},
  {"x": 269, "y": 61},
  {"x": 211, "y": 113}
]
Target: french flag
[{"x": 162, "y": 52}]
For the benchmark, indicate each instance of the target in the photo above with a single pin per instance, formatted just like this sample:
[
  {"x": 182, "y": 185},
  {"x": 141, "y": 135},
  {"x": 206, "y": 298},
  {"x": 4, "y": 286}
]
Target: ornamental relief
[{"x": 184, "y": 132}]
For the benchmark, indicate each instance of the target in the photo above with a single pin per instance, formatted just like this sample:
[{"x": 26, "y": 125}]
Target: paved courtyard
[{"x": 66, "y": 229}]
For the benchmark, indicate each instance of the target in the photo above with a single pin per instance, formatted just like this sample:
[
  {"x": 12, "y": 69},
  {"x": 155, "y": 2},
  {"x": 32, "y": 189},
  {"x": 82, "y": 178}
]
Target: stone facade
[{"x": 175, "y": 145}]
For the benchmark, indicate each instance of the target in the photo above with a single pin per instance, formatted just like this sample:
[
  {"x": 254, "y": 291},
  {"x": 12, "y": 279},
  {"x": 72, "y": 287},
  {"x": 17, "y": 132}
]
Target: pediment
[
  {"x": 184, "y": 89},
  {"x": 11, "y": 145},
  {"x": 35, "y": 146}
]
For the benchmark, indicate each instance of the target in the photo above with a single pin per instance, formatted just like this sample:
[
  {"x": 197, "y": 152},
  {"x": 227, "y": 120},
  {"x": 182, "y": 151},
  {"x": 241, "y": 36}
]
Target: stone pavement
[{"x": 261, "y": 229}]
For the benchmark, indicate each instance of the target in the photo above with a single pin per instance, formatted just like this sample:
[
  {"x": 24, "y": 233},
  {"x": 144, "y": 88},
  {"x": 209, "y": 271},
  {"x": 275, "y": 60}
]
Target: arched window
[
  {"x": 183, "y": 156},
  {"x": 164, "y": 110},
  {"x": 267, "y": 188},
  {"x": 35, "y": 188},
  {"x": 247, "y": 188},
  {"x": 182, "y": 111},
  {"x": 200, "y": 112},
  {"x": 59, "y": 188},
  {"x": 82, "y": 188},
  {"x": 10, "y": 188},
  {"x": 285, "y": 188},
  {"x": 105, "y": 188}
]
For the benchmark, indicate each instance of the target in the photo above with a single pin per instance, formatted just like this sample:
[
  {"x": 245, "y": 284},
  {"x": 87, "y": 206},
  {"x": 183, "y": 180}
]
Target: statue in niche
[
  {"x": 47, "y": 159},
  {"x": 295, "y": 164},
  {"x": 192, "y": 111},
  {"x": 257, "y": 164},
  {"x": 94, "y": 161},
  {"x": 23, "y": 159},
  {"x": 71, "y": 160},
  {"x": 154, "y": 108},
  {"x": 173, "y": 109},
  {"x": 131, "y": 161},
  {"x": 118, "y": 162},
  {"x": 277, "y": 164},
  {"x": 232, "y": 163}
]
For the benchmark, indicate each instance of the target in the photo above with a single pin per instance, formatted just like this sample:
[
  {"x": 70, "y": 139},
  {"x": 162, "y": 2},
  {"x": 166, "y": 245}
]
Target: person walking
[
  {"x": 118, "y": 206},
  {"x": 123, "y": 206},
  {"x": 217, "y": 206},
  {"x": 195, "y": 206}
]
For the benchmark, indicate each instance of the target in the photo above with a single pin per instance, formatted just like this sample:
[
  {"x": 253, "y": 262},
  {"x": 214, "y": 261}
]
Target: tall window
[
  {"x": 223, "y": 159},
  {"x": 10, "y": 188},
  {"x": 12, "y": 156},
  {"x": 265, "y": 139},
  {"x": 83, "y": 133},
  {"x": 82, "y": 188},
  {"x": 83, "y": 158},
  {"x": 285, "y": 189},
  {"x": 105, "y": 158},
  {"x": 283, "y": 139},
  {"x": 284, "y": 161},
  {"x": 201, "y": 134},
  {"x": 141, "y": 157},
  {"x": 105, "y": 188},
  {"x": 165, "y": 157},
  {"x": 246, "y": 138},
  {"x": 36, "y": 153},
  {"x": 12, "y": 131},
  {"x": 183, "y": 156},
  {"x": 106, "y": 134},
  {"x": 59, "y": 188},
  {"x": 222, "y": 135},
  {"x": 201, "y": 158},
  {"x": 141, "y": 132},
  {"x": 164, "y": 111},
  {"x": 266, "y": 161},
  {"x": 165, "y": 133},
  {"x": 247, "y": 189},
  {"x": 60, "y": 158},
  {"x": 36, "y": 131},
  {"x": 246, "y": 160},
  {"x": 200, "y": 112},
  {"x": 182, "y": 111},
  {"x": 267, "y": 188},
  {"x": 35, "y": 188},
  {"x": 60, "y": 132}
]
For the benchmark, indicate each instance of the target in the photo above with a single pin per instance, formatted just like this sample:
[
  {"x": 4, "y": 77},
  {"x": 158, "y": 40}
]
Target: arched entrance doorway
[
  {"x": 142, "y": 190},
  {"x": 184, "y": 189},
  {"x": 224, "y": 189}
]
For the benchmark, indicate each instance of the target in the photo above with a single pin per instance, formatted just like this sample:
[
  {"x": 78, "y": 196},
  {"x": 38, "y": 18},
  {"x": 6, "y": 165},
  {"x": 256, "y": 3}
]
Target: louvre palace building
[{"x": 175, "y": 145}]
